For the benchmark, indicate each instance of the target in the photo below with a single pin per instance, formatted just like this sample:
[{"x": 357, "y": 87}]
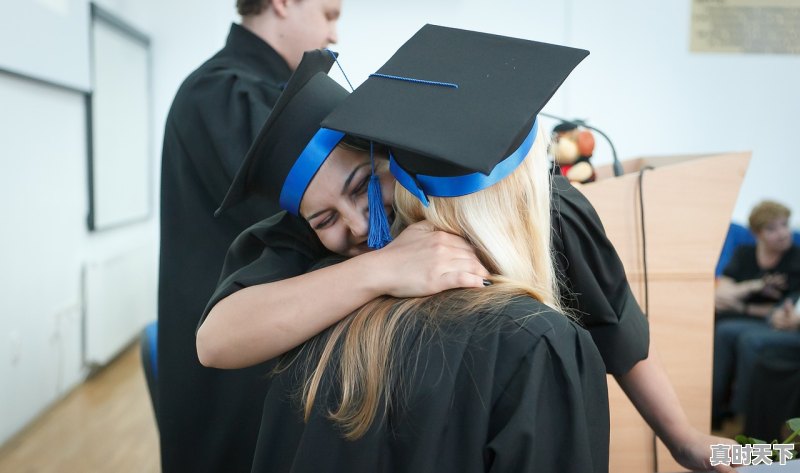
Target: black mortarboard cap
[
  {"x": 290, "y": 147},
  {"x": 452, "y": 102}
]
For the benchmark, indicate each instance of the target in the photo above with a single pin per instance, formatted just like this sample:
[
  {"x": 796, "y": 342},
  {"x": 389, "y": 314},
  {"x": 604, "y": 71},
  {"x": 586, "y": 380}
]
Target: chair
[
  {"x": 737, "y": 235},
  {"x": 149, "y": 353}
]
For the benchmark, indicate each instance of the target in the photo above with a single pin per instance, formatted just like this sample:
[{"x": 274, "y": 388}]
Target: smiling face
[{"x": 335, "y": 202}]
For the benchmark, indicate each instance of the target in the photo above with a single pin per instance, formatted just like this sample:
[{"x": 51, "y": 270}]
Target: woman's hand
[
  {"x": 730, "y": 295},
  {"x": 773, "y": 285},
  {"x": 422, "y": 261},
  {"x": 785, "y": 317},
  {"x": 693, "y": 451},
  {"x": 649, "y": 388},
  {"x": 725, "y": 301}
]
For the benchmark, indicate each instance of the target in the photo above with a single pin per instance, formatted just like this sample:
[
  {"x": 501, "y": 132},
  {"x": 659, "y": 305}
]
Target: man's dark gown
[{"x": 208, "y": 419}]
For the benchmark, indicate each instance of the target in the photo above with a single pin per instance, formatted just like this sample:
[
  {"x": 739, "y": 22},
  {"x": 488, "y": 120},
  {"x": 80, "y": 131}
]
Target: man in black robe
[{"x": 208, "y": 419}]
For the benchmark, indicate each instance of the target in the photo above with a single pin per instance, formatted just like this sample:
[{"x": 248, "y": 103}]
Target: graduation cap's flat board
[{"x": 439, "y": 130}]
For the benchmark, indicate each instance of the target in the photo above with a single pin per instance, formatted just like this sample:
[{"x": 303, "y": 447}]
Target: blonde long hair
[{"x": 509, "y": 225}]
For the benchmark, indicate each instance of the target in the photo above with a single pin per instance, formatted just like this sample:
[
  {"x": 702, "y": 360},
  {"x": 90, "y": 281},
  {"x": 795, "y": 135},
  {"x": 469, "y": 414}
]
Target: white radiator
[{"x": 120, "y": 299}]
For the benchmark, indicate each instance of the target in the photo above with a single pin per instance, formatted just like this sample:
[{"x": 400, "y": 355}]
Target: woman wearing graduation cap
[
  {"x": 266, "y": 320},
  {"x": 291, "y": 161}
]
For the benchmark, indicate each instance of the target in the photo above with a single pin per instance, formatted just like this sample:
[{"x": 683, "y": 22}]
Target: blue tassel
[{"x": 379, "y": 235}]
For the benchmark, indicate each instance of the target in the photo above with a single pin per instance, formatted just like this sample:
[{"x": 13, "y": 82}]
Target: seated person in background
[
  {"x": 754, "y": 285},
  {"x": 759, "y": 276}
]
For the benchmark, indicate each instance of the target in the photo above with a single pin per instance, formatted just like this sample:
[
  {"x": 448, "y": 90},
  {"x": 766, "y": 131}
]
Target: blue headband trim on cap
[
  {"x": 422, "y": 186},
  {"x": 308, "y": 163}
]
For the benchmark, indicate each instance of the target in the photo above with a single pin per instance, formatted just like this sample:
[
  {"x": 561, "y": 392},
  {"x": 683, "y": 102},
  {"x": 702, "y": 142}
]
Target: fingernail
[{"x": 486, "y": 282}]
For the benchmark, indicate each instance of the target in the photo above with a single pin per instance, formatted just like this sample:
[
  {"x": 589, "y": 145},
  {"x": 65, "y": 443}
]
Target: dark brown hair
[{"x": 251, "y": 7}]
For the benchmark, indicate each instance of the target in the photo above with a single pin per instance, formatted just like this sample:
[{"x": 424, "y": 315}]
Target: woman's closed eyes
[{"x": 354, "y": 191}]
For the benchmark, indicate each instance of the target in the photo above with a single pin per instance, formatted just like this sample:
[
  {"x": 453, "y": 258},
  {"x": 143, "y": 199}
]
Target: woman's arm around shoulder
[{"x": 260, "y": 322}]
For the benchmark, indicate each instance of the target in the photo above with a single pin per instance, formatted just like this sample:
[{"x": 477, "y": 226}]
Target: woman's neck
[{"x": 767, "y": 258}]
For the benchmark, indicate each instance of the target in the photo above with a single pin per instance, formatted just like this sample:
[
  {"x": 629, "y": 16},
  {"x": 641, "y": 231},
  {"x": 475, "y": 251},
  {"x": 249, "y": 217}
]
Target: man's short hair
[{"x": 251, "y": 7}]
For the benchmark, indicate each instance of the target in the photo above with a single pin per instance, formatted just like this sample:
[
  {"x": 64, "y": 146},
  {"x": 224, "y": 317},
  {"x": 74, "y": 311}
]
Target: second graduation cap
[
  {"x": 456, "y": 108},
  {"x": 290, "y": 147}
]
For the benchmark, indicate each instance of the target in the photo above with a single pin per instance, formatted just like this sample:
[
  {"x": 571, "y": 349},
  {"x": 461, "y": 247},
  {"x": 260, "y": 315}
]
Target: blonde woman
[{"x": 472, "y": 380}]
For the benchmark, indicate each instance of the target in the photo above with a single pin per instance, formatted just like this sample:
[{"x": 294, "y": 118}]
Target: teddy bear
[{"x": 572, "y": 147}]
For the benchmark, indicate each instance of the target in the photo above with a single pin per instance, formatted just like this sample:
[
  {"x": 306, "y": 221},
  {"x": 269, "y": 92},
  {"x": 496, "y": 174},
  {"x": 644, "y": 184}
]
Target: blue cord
[
  {"x": 418, "y": 81},
  {"x": 340, "y": 68}
]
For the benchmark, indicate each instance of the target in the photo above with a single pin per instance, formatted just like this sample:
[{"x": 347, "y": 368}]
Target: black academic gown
[
  {"x": 518, "y": 389},
  {"x": 208, "y": 419}
]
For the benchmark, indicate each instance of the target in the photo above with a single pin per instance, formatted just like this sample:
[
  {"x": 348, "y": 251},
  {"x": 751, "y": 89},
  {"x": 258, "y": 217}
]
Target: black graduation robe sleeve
[
  {"x": 595, "y": 285},
  {"x": 276, "y": 248}
]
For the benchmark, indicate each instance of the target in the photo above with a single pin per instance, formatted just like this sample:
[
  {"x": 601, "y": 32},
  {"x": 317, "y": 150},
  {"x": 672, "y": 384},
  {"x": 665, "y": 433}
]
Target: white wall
[
  {"x": 45, "y": 246},
  {"x": 653, "y": 97},
  {"x": 41, "y": 243},
  {"x": 46, "y": 249},
  {"x": 640, "y": 85},
  {"x": 53, "y": 29},
  {"x": 371, "y": 30},
  {"x": 183, "y": 34}
]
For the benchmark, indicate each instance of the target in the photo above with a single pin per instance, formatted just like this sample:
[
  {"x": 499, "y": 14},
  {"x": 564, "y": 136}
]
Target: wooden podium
[{"x": 688, "y": 202}]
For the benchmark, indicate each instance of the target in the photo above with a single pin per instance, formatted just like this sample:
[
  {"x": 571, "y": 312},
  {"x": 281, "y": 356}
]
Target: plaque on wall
[{"x": 745, "y": 26}]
